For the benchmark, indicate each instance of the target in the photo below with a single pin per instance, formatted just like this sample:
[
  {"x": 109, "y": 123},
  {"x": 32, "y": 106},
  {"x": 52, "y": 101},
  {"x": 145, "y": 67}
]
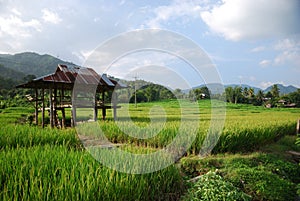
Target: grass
[
  {"x": 51, "y": 164},
  {"x": 246, "y": 128},
  {"x": 268, "y": 174},
  {"x": 57, "y": 173}
]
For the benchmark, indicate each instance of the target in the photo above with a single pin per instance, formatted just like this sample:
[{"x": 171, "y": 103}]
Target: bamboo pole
[
  {"x": 114, "y": 104},
  {"x": 51, "y": 107},
  {"x": 95, "y": 109},
  {"x": 43, "y": 108},
  {"x": 63, "y": 114},
  {"x": 103, "y": 108},
  {"x": 36, "y": 107},
  {"x": 73, "y": 109}
]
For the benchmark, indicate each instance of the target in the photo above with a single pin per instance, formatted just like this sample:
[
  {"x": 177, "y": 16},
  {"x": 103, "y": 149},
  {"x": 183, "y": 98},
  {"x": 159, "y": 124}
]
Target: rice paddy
[{"x": 52, "y": 164}]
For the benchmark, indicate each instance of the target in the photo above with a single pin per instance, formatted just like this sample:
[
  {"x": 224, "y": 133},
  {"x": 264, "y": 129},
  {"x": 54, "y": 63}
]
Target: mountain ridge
[
  {"x": 17, "y": 66},
  {"x": 31, "y": 63}
]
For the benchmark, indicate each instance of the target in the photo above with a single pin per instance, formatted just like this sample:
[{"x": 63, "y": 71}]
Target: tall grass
[
  {"x": 50, "y": 164},
  {"x": 13, "y": 136},
  {"x": 58, "y": 173},
  {"x": 247, "y": 128}
]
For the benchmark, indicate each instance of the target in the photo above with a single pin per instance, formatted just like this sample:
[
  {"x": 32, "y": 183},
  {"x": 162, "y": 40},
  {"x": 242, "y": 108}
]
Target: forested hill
[
  {"x": 283, "y": 89},
  {"x": 18, "y": 68},
  {"x": 30, "y": 63}
]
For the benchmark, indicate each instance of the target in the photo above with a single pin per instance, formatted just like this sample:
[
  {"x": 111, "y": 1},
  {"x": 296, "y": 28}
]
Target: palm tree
[
  {"x": 275, "y": 91},
  {"x": 259, "y": 97},
  {"x": 229, "y": 94}
]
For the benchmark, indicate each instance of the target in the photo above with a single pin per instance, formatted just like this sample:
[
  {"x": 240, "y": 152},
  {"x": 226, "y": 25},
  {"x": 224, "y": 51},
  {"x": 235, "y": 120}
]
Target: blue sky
[{"x": 252, "y": 42}]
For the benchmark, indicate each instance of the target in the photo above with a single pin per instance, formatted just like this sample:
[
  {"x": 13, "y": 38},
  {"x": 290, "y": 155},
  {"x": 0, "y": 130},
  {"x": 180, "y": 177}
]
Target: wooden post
[
  {"x": 298, "y": 127},
  {"x": 51, "y": 107},
  {"x": 43, "y": 108},
  {"x": 63, "y": 114},
  {"x": 55, "y": 115},
  {"x": 36, "y": 107},
  {"x": 95, "y": 109},
  {"x": 114, "y": 104},
  {"x": 73, "y": 116},
  {"x": 63, "y": 119},
  {"x": 103, "y": 108}
]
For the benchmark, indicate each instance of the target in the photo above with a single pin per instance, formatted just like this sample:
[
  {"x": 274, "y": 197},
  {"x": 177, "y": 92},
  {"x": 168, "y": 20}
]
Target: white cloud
[
  {"x": 16, "y": 12},
  {"x": 252, "y": 78},
  {"x": 177, "y": 9},
  {"x": 51, "y": 17},
  {"x": 16, "y": 27},
  {"x": 266, "y": 84},
  {"x": 287, "y": 43},
  {"x": 265, "y": 63},
  {"x": 288, "y": 56},
  {"x": 290, "y": 51},
  {"x": 258, "y": 49},
  {"x": 238, "y": 20}
]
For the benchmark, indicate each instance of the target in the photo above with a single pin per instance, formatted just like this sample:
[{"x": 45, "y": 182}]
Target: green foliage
[
  {"x": 57, "y": 173},
  {"x": 246, "y": 128},
  {"x": 263, "y": 176},
  {"x": 295, "y": 97},
  {"x": 199, "y": 93},
  {"x": 263, "y": 185},
  {"x": 14, "y": 136},
  {"x": 31, "y": 63},
  {"x": 238, "y": 95},
  {"x": 212, "y": 186},
  {"x": 13, "y": 98},
  {"x": 10, "y": 74},
  {"x": 298, "y": 140},
  {"x": 152, "y": 92},
  {"x": 275, "y": 91},
  {"x": 50, "y": 164}
]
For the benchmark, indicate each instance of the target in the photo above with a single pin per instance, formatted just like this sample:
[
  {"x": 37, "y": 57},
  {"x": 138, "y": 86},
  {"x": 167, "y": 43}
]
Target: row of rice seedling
[
  {"x": 244, "y": 129},
  {"x": 46, "y": 164},
  {"x": 58, "y": 173},
  {"x": 13, "y": 136}
]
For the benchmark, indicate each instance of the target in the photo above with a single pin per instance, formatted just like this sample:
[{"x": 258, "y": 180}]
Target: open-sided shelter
[{"x": 58, "y": 89}]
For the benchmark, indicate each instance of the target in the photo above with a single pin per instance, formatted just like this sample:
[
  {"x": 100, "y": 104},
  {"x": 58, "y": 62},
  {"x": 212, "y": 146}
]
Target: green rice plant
[
  {"x": 12, "y": 136},
  {"x": 57, "y": 173}
]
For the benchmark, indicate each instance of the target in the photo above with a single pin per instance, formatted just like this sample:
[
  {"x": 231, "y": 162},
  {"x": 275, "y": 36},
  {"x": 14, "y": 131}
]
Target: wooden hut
[{"x": 59, "y": 87}]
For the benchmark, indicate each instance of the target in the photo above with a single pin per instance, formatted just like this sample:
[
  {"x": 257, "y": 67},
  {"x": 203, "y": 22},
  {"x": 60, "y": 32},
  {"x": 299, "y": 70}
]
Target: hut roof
[{"x": 65, "y": 77}]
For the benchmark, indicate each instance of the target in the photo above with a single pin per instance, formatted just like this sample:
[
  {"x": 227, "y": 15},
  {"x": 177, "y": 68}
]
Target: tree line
[
  {"x": 143, "y": 91},
  {"x": 271, "y": 98}
]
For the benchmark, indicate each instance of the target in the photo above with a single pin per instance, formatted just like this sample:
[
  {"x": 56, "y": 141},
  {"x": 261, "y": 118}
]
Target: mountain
[
  {"x": 8, "y": 73},
  {"x": 30, "y": 63},
  {"x": 283, "y": 89}
]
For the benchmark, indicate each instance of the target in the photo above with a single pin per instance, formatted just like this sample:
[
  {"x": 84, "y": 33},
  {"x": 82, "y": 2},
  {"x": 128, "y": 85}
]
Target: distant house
[
  {"x": 268, "y": 105},
  {"x": 291, "y": 105},
  {"x": 202, "y": 95},
  {"x": 282, "y": 102}
]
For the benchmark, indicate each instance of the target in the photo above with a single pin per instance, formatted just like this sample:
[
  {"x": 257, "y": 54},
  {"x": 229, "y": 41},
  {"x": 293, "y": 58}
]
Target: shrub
[{"x": 212, "y": 186}]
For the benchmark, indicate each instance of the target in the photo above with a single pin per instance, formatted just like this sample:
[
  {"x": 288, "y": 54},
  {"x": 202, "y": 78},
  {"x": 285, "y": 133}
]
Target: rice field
[{"x": 52, "y": 164}]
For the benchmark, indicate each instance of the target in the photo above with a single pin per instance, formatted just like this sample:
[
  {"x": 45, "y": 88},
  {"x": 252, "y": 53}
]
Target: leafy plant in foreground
[{"x": 212, "y": 186}]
